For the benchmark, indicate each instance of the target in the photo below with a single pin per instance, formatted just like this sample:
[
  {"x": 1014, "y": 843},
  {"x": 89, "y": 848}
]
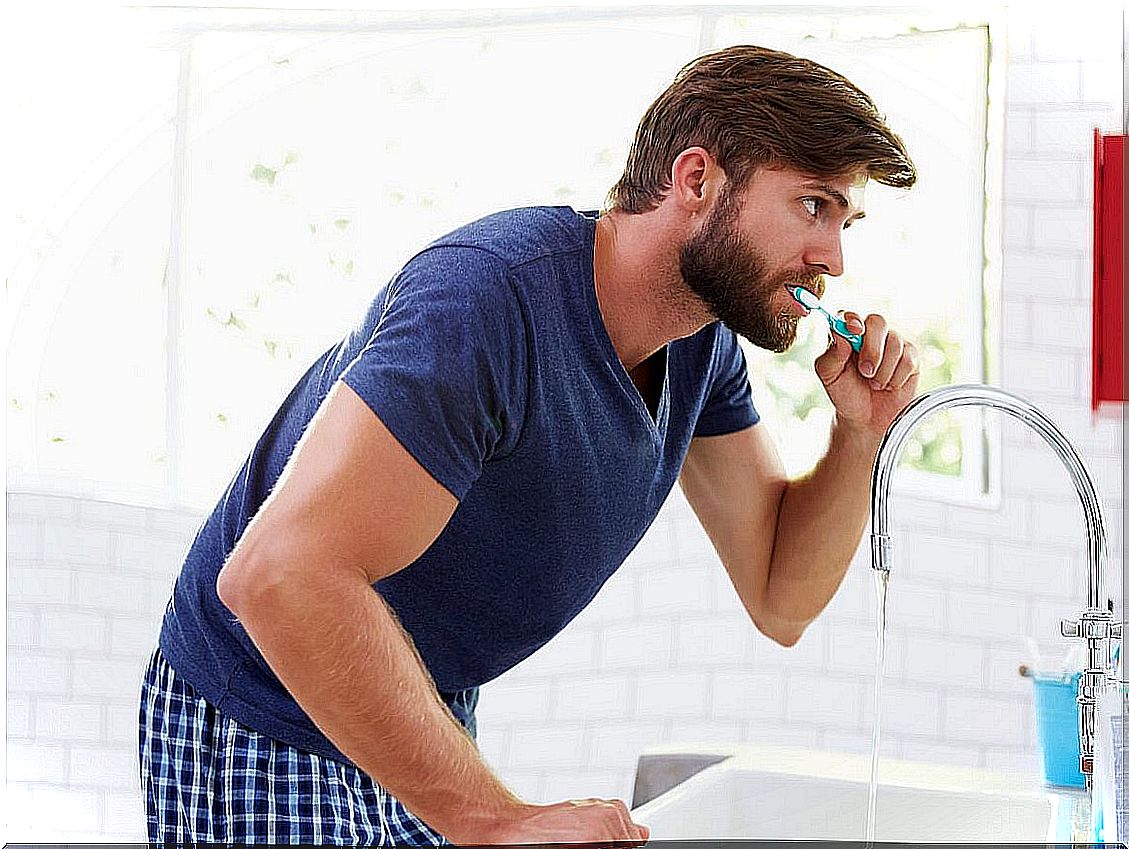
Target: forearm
[
  {"x": 340, "y": 652},
  {"x": 820, "y": 523}
]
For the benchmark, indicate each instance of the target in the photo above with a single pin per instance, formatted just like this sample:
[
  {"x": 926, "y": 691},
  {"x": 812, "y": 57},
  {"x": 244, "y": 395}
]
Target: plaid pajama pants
[{"x": 206, "y": 778}]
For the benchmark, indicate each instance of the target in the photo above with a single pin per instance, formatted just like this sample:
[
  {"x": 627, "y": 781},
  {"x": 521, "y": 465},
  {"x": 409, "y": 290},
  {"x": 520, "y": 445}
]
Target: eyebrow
[{"x": 837, "y": 195}]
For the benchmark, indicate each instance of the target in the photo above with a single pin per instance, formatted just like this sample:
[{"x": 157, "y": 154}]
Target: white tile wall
[
  {"x": 665, "y": 653},
  {"x": 83, "y": 615}
]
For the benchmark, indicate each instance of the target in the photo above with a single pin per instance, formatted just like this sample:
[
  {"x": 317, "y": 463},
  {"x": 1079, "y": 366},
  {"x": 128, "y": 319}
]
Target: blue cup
[{"x": 1056, "y": 719}]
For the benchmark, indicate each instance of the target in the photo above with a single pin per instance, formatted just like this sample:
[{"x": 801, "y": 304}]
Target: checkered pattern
[{"x": 209, "y": 779}]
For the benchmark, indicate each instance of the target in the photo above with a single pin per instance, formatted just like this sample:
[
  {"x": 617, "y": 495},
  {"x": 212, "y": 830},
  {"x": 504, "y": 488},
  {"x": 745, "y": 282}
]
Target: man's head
[
  {"x": 796, "y": 142},
  {"x": 752, "y": 108}
]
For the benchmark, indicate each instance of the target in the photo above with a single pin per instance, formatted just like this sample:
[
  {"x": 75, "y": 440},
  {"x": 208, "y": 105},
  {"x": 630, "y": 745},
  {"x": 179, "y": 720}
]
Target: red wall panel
[{"x": 1109, "y": 270}]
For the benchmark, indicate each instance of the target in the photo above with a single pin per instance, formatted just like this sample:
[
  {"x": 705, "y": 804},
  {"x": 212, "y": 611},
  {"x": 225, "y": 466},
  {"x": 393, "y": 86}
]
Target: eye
[{"x": 813, "y": 205}]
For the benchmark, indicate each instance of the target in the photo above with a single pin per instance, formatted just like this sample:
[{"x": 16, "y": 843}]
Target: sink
[{"x": 766, "y": 792}]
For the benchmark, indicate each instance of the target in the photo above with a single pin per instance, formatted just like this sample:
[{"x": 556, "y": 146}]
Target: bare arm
[
  {"x": 351, "y": 507},
  {"x": 786, "y": 544}
]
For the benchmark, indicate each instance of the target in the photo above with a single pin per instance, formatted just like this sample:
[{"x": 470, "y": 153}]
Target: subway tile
[
  {"x": 714, "y": 733},
  {"x": 545, "y": 747},
  {"x": 67, "y": 720},
  {"x": 906, "y": 709},
  {"x": 120, "y": 722},
  {"x": 38, "y": 585},
  {"x": 590, "y": 782},
  {"x": 175, "y": 524},
  {"x": 792, "y": 734},
  {"x": 932, "y": 751},
  {"x": 1088, "y": 30},
  {"x": 38, "y": 763},
  {"x": 1056, "y": 521},
  {"x": 1016, "y": 224},
  {"x": 985, "y": 614},
  {"x": 1019, "y": 132},
  {"x": 674, "y": 695},
  {"x": 149, "y": 554},
  {"x": 76, "y": 545},
  {"x": 953, "y": 660},
  {"x": 822, "y": 700},
  {"x": 862, "y": 743},
  {"x": 22, "y": 633},
  {"x": 636, "y": 645},
  {"x": 672, "y": 591},
  {"x": 985, "y": 719},
  {"x": 18, "y": 717},
  {"x": 1042, "y": 180},
  {"x": 123, "y": 817},
  {"x": 946, "y": 560},
  {"x": 1068, "y": 131},
  {"x": 717, "y": 640},
  {"x": 1005, "y": 522},
  {"x": 24, "y": 505},
  {"x": 112, "y": 593},
  {"x": 1022, "y": 570},
  {"x": 527, "y": 784},
  {"x": 1041, "y": 83},
  {"x": 1102, "y": 85},
  {"x": 133, "y": 637},
  {"x": 1043, "y": 274},
  {"x": 570, "y": 651},
  {"x": 741, "y": 694},
  {"x": 119, "y": 680},
  {"x": 112, "y": 516},
  {"x": 1035, "y": 374},
  {"x": 1065, "y": 228},
  {"x": 24, "y": 539},
  {"x": 619, "y": 744},
  {"x": 600, "y": 698},
  {"x": 35, "y": 672},
  {"x": 69, "y": 629},
  {"x": 102, "y": 767},
  {"x": 1019, "y": 761}
]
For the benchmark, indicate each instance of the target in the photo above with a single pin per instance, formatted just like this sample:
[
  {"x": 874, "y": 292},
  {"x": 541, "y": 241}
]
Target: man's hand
[
  {"x": 599, "y": 821},
  {"x": 869, "y": 389}
]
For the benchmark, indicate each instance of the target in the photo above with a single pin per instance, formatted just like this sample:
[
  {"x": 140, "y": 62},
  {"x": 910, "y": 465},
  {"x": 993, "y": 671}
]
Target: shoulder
[{"x": 518, "y": 236}]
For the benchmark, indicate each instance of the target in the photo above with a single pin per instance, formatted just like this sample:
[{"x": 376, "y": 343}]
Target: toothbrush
[{"x": 837, "y": 324}]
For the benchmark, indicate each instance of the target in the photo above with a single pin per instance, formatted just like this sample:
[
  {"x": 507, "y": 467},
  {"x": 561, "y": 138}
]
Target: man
[{"x": 485, "y": 448}]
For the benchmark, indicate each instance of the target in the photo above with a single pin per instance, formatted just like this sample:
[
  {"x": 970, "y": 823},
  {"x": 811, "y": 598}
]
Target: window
[{"x": 319, "y": 151}]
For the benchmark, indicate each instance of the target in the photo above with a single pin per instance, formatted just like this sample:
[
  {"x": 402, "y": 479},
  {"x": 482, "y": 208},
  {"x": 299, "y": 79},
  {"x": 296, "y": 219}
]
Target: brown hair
[{"x": 752, "y": 107}]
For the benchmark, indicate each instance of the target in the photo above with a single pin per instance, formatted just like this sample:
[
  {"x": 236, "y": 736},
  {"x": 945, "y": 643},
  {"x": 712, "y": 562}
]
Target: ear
[{"x": 696, "y": 181}]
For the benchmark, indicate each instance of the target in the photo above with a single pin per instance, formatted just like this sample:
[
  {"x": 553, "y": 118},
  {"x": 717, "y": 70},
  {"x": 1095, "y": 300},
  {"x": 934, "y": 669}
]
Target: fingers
[
  {"x": 873, "y": 340},
  {"x": 907, "y": 368},
  {"x": 832, "y": 363},
  {"x": 886, "y": 359}
]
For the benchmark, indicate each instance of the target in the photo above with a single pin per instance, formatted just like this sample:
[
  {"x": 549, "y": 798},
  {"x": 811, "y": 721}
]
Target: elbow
[{"x": 782, "y": 632}]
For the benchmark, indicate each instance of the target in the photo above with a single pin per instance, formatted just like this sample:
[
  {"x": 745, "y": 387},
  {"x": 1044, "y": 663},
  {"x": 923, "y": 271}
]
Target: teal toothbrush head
[{"x": 837, "y": 325}]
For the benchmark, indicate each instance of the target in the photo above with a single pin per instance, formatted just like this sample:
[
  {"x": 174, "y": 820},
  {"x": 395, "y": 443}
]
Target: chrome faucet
[{"x": 1096, "y": 624}]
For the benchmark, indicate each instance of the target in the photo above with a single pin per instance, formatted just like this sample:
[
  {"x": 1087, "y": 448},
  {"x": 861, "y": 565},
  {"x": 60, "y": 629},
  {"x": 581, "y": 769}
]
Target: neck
[{"x": 643, "y": 299}]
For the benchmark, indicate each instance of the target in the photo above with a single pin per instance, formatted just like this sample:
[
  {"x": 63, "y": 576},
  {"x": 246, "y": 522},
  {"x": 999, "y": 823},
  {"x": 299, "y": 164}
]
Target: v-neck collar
[{"x": 656, "y": 425}]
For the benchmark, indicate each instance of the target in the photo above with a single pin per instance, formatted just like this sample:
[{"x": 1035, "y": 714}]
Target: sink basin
[{"x": 764, "y": 792}]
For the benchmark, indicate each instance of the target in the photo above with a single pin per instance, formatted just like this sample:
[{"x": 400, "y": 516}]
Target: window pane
[
  {"x": 320, "y": 164},
  {"x": 91, "y": 208},
  {"x": 918, "y": 258}
]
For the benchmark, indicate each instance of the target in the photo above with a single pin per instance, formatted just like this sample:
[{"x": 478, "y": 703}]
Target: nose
[{"x": 826, "y": 254}]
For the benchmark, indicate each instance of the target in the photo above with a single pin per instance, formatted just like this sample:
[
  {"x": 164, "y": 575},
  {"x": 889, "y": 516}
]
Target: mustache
[{"x": 814, "y": 282}]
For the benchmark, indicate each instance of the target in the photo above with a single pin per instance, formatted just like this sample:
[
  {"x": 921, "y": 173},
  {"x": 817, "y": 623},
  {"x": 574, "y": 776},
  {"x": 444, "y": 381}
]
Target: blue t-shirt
[{"x": 488, "y": 359}]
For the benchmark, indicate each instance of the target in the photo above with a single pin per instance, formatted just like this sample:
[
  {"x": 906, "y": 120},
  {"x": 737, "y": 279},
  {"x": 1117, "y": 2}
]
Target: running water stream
[{"x": 881, "y": 584}]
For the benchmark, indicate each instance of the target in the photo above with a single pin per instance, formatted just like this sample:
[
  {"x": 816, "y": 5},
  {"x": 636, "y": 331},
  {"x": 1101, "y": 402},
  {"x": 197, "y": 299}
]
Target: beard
[{"x": 730, "y": 276}]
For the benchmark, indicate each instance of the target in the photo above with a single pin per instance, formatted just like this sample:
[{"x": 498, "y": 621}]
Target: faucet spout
[{"x": 1096, "y": 623}]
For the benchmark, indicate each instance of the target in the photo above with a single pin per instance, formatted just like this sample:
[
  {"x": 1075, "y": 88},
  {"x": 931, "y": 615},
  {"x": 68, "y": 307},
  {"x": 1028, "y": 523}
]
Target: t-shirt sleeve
[
  {"x": 729, "y": 403},
  {"x": 445, "y": 368}
]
